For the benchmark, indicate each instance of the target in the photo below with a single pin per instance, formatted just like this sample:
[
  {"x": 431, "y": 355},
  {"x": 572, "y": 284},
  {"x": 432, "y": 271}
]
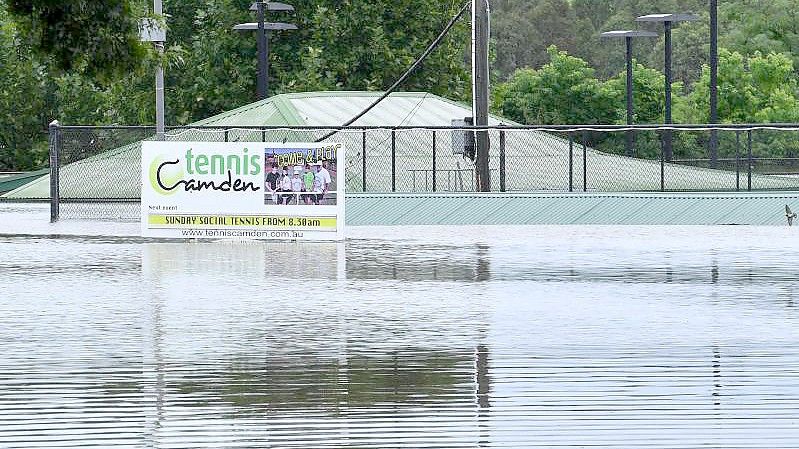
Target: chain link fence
[{"x": 95, "y": 171}]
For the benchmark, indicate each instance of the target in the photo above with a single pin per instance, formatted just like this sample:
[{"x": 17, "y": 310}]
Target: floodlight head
[
  {"x": 628, "y": 33},
  {"x": 269, "y": 26},
  {"x": 272, "y": 6},
  {"x": 668, "y": 18}
]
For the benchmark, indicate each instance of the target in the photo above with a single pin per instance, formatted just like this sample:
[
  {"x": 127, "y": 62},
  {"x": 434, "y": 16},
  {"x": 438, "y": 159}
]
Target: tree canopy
[
  {"x": 563, "y": 91},
  {"x": 88, "y": 68},
  {"x": 99, "y": 34},
  {"x": 79, "y": 61}
]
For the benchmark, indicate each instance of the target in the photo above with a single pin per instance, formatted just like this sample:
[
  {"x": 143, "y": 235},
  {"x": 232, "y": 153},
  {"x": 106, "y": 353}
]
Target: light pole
[
  {"x": 263, "y": 30},
  {"x": 151, "y": 30},
  {"x": 714, "y": 81},
  {"x": 628, "y": 36},
  {"x": 667, "y": 20}
]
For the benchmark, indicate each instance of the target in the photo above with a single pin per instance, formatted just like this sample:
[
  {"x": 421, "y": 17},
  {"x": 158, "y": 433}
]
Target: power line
[{"x": 407, "y": 73}]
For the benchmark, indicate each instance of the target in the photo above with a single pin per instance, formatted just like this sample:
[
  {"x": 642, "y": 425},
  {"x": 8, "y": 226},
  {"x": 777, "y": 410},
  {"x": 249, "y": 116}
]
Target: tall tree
[
  {"x": 339, "y": 45},
  {"x": 755, "y": 89},
  {"x": 368, "y": 45},
  {"x": 102, "y": 34},
  {"x": 648, "y": 94},
  {"x": 761, "y": 25},
  {"x": 563, "y": 91},
  {"x": 23, "y": 108},
  {"x": 525, "y": 30}
]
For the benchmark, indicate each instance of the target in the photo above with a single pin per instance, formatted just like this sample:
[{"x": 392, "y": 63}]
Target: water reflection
[
  {"x": 376, "y": 343},
  {"x": 716, "y": 376},
  {"x": 314, "y": 357},
  {"x": 308, "y": 383},
  {"x": 414, "y": 262},
  {"x": 298, "y": 259}
]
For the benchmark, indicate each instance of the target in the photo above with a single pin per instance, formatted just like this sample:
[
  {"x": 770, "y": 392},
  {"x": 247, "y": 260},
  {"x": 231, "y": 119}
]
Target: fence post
[
  {"x": 393, "y": 160},
  {"x": 737, "y": 160},
  {"x": 226, "y": 136},
  {"x": 363, "y": 160},
  {"x": 263, "y": 134},
  {"x": 571, "y": 161},
  {"x": 434, "y": 161},
  {"x": 585, "y": 162},
  {"x": 502, "y": 160},
  {"x": 55, "y": 161},
  {"x": 749, "y": 150}
]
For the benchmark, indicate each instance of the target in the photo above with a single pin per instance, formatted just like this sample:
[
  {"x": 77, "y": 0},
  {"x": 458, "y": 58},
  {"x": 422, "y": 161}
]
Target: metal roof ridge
[
  {"x": 359, "y": 93},
  {"x": 289, "y": 112},
  {"x": 235, "y": 111}
]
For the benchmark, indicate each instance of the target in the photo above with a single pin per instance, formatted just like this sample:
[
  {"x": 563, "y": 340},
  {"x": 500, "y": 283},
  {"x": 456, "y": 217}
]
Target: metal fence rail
[{"x": 95, "y": 171}]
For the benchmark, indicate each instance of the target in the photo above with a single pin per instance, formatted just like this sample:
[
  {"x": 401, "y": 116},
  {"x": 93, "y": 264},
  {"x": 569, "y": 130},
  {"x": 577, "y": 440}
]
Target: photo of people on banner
[{"x": 300, "y": 176}]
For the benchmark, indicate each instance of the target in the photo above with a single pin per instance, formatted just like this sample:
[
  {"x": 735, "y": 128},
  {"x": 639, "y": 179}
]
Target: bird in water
[{"x": 789, "y": 215}]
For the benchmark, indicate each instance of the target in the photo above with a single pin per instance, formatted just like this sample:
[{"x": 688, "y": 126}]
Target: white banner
[{"x": 243, "y": 190}]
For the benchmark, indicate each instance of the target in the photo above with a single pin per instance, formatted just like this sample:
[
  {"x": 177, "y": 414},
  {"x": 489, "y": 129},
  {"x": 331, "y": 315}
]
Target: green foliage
[
  {"x": 79, "y": 61},
  {"x": 648, "y": 94},
  {"x": 760, "y": 88},
  {"x": 368, "y": 45},
  {"x": 215, "y": 70},
  {"x": 756, "y": 89},
  {"x": 526, "y": 29},
  {"x": 648, "y": 106},
  {"x": 767, "y": 26},
  {"x": 563, "y": 91},
  {"x": 22, "y": 106},
  {"x": 88, "y": 68},
  {"x": 101, "y": 34}
]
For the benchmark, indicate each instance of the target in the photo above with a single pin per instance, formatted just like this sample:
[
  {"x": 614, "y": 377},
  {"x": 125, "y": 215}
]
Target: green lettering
[
  {"x": 189, "y": 156},
  {"x": 200, "y": 162},
  {"x": 255, "y": 161},
  {"x": 234, "y": 160},
  {"x": 217, "y": 164}
]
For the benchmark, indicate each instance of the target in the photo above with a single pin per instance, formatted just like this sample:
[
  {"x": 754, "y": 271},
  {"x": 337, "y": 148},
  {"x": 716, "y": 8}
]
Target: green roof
[
  {"x": 335, "y": 108},
  {"x": 115, "y": 172},
  {"x": 536, "y": 161}
]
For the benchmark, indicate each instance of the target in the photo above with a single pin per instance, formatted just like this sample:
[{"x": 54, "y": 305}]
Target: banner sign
[{"x": 243, "y": 189}]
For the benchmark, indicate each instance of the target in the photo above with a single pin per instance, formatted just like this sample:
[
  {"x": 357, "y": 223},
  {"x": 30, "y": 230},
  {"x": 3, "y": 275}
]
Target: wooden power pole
[{"x": 480, "y": 34}]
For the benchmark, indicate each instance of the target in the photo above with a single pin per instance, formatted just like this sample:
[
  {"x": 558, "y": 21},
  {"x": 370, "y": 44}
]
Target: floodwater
[{"x": 601, "y": 337}]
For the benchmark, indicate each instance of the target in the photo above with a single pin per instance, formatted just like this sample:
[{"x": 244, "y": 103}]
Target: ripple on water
[{"x": 485, "y": 337}]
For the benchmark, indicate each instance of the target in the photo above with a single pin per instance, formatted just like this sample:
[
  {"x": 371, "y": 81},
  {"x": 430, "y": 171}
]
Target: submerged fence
[{"x": 95, "y": 171}]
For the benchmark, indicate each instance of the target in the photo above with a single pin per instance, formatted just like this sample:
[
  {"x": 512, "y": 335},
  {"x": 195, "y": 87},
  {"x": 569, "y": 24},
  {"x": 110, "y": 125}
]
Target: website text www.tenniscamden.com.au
[{"x": 240, "y": 233}]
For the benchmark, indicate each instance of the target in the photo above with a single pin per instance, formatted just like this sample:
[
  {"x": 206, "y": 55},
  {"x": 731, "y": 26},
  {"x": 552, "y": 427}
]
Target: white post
[{"x": 159, "y": 79}]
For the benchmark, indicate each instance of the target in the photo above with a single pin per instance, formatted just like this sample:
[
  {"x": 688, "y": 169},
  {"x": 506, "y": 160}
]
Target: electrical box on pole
[{"x": 463, "y": 139}]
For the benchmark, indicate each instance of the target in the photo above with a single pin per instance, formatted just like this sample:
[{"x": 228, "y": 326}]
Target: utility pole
[
  {"x": 480, "y": 35},
  {"x": 714, "y": 82},
  {"x": 159, "y": 79}
]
